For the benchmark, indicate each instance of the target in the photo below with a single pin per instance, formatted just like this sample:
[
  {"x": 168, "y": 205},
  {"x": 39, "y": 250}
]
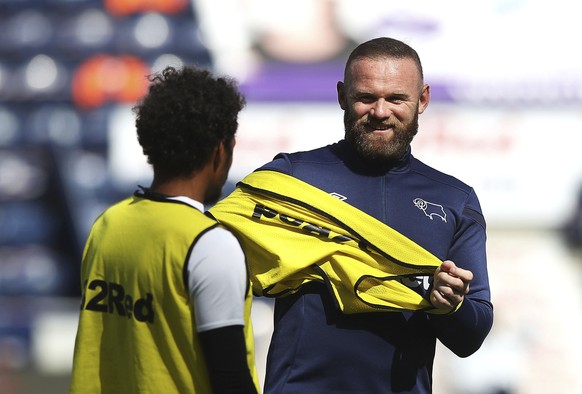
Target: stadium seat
[
  {"x": 11, "y": 126},
  {"x": 25, "y": 32},
  {"x": 54, "y": 124}
]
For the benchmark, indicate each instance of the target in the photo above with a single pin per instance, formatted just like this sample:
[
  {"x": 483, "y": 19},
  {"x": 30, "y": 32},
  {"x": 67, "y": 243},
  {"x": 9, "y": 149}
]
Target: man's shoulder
[
  {"x": 284, "y": 162},
  {"x": 321, "y": 154},
  {"x": 438, "y": 176}
]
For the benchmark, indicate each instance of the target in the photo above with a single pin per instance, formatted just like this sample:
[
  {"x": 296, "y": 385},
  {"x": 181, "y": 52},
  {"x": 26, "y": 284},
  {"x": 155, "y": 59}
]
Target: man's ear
[
  {"x": 341, "y": 95},
  {"x": 222, "y": 151},
  {"x": 217, "y": 153},
  {"x": 424, "y": 99}
]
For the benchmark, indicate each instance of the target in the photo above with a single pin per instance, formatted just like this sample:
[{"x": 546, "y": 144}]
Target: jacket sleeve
[{"x": 464, "y": 331}]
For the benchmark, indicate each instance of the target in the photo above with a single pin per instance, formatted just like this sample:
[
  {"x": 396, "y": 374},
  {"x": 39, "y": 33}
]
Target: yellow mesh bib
[{"x": 294, "y": 233}]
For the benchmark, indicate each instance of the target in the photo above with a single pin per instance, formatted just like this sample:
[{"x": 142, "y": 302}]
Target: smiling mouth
[
  {"x": 379, "y": 126},
  {"x": 380, "y": 129}
]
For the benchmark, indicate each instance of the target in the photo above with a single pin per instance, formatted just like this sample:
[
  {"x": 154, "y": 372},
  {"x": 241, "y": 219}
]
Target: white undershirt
[{"x": 217, "y": 277}]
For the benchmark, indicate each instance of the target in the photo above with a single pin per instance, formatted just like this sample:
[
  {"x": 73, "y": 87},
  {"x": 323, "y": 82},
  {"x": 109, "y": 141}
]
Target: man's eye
[
  {"x": 367, "y": 99},
  {"x": 397, "y": 99}
]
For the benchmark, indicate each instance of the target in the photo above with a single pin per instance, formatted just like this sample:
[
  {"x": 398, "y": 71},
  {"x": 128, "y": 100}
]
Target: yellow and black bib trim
[{"x": 293, "y": 233}]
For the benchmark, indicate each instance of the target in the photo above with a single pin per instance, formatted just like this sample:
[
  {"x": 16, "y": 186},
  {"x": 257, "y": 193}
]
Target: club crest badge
[{"x": 430, "y": 209}]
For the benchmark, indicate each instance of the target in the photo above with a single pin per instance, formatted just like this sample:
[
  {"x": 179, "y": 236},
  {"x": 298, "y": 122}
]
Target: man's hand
[{"x": 450, "y": 285}]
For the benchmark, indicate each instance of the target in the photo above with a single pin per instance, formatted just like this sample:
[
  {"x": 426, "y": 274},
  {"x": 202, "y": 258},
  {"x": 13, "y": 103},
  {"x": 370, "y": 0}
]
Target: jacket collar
[{"x": 351, "y": 158}]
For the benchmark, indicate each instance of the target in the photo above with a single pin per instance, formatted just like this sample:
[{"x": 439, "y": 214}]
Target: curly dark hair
[{"x": 184, "y": 116}]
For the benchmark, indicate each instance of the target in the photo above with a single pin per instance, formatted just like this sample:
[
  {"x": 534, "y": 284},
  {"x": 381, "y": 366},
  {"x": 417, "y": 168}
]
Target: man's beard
[
  {"x": 373, "y": 148},
  {"x": 212, "y": 196},
  {"x": 214, "y": 191}
]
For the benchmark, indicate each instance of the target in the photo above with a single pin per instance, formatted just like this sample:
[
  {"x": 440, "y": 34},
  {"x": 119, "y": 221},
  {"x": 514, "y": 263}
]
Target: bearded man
[{"x": 328, "y": 338}]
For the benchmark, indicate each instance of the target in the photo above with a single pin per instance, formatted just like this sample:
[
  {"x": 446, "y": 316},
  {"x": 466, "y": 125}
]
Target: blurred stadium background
[{"x": 505, "y": 117}]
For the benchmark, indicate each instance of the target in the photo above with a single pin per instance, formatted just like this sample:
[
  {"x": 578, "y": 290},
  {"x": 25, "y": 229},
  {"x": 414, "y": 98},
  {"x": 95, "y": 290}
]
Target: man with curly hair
[{"x": 166, "y": 297}]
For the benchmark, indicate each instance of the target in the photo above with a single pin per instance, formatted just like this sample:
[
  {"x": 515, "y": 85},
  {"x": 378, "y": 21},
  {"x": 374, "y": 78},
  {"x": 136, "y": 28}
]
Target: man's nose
[{"x": 381, "y": 109}]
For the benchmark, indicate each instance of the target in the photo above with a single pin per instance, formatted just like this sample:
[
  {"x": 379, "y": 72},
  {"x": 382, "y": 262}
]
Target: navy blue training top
[{"x": 316, "y": 349}]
